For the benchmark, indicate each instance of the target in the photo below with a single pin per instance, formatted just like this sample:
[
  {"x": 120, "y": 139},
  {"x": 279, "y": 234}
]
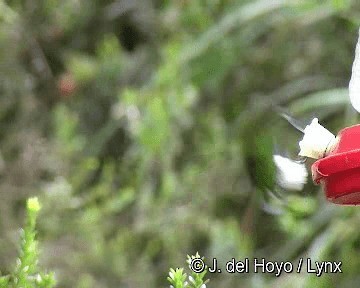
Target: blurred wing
[
  {"x": 354, "y": 85},
  {"x": 259, "y": 160}
]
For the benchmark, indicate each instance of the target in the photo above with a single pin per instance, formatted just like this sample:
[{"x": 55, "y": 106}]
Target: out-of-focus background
[{"x": 146, "y": 129}]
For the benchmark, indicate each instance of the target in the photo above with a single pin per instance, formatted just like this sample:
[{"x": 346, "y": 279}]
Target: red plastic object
[{"x": 339, "y": 172}]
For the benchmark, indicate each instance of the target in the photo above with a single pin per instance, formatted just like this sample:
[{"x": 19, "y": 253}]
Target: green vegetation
[
  {"x": 179, "y": 279},
  {"x": 147, "y": 129},
  {"x": 26, "y": 271}
]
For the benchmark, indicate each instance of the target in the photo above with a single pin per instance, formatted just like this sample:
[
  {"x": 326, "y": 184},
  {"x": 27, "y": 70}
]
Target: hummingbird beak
[{"x": 297, "y": 124}]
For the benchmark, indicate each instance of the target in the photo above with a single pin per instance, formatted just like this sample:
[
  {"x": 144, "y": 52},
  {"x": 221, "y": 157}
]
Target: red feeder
[{"x": 339, "y": 171}]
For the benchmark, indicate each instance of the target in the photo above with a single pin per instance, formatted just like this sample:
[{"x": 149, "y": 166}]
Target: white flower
[
  {"x": 354, "y": 85},
  {"x": 317, "y": 140},
  {"x": 290, "y": 175}
]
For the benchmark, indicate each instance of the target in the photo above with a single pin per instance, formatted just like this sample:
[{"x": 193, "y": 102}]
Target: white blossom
[
  {"x": 354, "y": 85},
  {"x": 317, "y": 140}
]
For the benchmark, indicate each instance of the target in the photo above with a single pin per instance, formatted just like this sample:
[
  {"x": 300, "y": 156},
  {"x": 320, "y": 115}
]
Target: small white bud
[{"x": 316, "y": 141}]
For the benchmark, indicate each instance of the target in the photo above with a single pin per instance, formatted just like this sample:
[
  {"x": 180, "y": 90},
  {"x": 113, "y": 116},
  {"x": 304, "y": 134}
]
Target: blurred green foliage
[
  {"x": 148, "y": 128},
  {"x": 26, "y": 272},
  {"x": 179, "y": 279}
]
